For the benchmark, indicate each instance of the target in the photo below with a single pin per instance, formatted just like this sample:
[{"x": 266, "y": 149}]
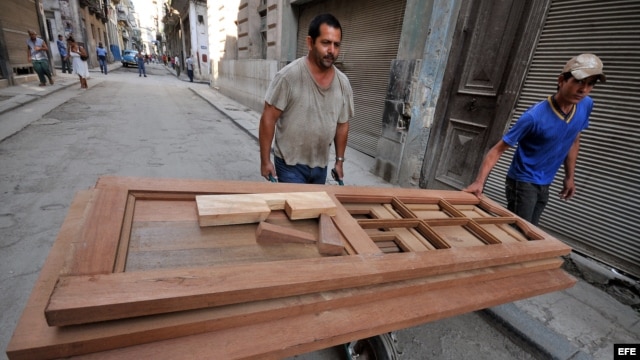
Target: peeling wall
[{"x": 416, "y": 83}]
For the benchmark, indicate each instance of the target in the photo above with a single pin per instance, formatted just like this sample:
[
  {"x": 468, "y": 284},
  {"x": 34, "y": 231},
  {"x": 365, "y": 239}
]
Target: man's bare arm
[
  {"x": 488, "y": 163},
  {"x": 266, "y": 131},
  {"x": 569, "y": 185},
  {"x": 340, "y": 141}
]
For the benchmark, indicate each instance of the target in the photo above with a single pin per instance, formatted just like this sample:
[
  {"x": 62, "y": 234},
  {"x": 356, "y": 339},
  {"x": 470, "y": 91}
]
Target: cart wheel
[{"x": 381, "y": 347}]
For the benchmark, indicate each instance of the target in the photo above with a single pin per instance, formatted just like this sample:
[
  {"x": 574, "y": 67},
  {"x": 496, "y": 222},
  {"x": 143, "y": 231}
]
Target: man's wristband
[{"x": 339, "y": 158}]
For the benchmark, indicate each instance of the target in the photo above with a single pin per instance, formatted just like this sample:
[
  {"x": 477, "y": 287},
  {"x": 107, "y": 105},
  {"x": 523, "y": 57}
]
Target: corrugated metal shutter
[
  {"x": 602, "y": 220},
  {"x": 371, "y": 34},
  {"x": 18, "y": 16}
]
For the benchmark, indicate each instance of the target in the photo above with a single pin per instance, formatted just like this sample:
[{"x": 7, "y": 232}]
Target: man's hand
[
  {"x": 267, "y": 169},
  {"x": 475, "y": 188},
  {"x": 266, "y": 131},
  {"x": 568, "y": 189}
]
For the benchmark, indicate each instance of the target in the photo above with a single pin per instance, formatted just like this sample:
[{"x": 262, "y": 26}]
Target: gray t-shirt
[
  {"x": 310, "y": 114},
  {"x": 36, "y": 54}
]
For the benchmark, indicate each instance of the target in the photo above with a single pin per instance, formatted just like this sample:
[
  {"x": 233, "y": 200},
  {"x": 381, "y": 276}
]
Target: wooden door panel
[{"x": 477, "y": 72}]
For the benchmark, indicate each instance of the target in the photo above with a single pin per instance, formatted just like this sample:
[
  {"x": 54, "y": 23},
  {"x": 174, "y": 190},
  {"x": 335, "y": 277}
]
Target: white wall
[{"x": 246, "y": 81}]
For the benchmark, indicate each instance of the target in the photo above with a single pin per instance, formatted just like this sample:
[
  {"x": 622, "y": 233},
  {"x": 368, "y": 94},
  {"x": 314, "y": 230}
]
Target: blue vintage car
[{"x": 129, "y": 58}]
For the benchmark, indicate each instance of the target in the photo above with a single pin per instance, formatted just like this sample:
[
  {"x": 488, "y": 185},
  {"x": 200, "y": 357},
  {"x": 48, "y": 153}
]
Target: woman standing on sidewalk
[{"x": 80, "y": 66}]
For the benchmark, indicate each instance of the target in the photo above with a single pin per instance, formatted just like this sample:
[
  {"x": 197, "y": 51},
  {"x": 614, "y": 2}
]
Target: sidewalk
[{"x": 582, "y": 322}]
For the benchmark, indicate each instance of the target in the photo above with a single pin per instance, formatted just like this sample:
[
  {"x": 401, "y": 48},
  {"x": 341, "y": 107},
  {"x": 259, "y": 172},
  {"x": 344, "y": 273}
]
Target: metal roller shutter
[
  {"x": 603, "y": 219},
  {"x": 19, "y": 16},
  {"x": 371, "y": 33}
]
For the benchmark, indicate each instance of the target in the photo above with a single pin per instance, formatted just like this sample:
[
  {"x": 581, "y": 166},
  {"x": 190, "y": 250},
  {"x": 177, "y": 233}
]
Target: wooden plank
[
  {"x": 269, "y": 234},
  {"x": 329, "y": 241},
  {"x": 301, "y": 205},
  {"x": 95, "y": 252},
  {"x": 46, "y": 342},
  {"x": 356, "y": 240},
  {"x": 402, "y": 209},
  {"x": 125, "y": 235},
  {"x": 450, "y": 209},
  {"x": 86, "y": 299},
  {"x": 215, "y": 210},
  {"x": 308, "y": 332},
  {"x": 250, "y": 208},
  {"x": 31, "y": 328}
]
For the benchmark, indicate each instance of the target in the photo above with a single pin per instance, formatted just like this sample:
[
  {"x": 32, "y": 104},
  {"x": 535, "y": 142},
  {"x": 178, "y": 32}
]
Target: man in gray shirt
[
  {"x": 307, "y": 107},
  {"x": 37, "y": 52}
]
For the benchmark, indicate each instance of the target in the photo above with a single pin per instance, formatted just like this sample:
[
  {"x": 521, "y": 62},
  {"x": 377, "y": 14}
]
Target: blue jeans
[
  {"x": 141, "y": 69},
  {"x": 103, "y": 64},
  {"x": 526, "y": 200},
  {"x": 299, "y": 174}
]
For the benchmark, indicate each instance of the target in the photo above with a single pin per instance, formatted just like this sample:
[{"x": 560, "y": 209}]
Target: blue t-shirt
[
  {"x": 544, "y": 136},
  {"x": 62, "y": 48},
  {"x": 101, "y": 51}
]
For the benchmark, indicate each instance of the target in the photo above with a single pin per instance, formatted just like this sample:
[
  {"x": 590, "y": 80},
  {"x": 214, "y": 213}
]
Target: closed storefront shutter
[
  {"x": 602, "y": 220},
  {"x": 17, "y": 17},
  {"x": 371, "y": 33}
]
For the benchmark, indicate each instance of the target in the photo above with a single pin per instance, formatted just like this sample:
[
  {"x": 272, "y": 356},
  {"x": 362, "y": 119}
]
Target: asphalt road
[{"x": 152, "y": 127}]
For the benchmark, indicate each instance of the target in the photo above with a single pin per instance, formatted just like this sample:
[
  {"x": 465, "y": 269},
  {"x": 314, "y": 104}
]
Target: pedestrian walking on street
[
  {"x": 37, "y": 56},
  {"x": 102, "y": 58},
  {"x": 79, "y": 60},
  {"x": 141, "y": 69},
  {"x": 189, "y": 65},
  {"x": 547, "y": 136},
  {"x": 308, "y": 106},
  {"x": 64, "y": 55},
  {"x": 177, "y": 64}
]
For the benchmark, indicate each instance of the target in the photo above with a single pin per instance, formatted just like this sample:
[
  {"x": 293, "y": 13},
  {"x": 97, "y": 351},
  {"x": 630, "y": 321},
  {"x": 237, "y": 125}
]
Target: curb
[
  {"x": 22, "y": 100},
  {"x": 531, "y": 334},
  {"x": 226, "y": 114}
]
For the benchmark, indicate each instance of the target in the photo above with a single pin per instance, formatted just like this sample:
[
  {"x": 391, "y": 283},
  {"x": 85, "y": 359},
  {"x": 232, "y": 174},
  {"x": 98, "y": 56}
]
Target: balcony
[{"x": 94, "y": 5}]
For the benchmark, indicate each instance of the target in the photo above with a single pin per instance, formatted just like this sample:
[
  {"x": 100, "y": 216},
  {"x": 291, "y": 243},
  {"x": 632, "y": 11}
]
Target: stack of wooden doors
[{"x": 137, "y": 271}]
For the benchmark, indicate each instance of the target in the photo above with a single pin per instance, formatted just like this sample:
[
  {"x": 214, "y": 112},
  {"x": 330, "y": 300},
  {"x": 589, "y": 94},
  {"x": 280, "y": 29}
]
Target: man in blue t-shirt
[
  {"x": 102, "y": 58},
  {"x": 547, "y": 136},
  {"x": 64, "y": 55}
]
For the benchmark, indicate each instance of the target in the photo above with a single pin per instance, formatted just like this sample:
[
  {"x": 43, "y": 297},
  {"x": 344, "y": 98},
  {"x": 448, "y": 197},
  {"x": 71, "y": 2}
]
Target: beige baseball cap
[{"x": 584, "y": 66}]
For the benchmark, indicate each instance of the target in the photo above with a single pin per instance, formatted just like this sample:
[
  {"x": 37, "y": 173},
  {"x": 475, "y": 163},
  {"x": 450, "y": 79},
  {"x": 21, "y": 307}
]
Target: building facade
[
  {"x": 436, "y": 83},
  {"x": 110, "y": 22},
  {"x": 187, "y": 34},
  {"x": 16, "y": 18}
]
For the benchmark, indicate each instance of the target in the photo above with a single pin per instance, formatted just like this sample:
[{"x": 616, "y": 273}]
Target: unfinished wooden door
[{"x": 133, "y": 273}]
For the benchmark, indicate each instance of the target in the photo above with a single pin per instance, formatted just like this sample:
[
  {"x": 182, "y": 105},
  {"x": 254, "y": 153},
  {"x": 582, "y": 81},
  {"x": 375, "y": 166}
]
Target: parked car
[{"x": 129, "y": 58}]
